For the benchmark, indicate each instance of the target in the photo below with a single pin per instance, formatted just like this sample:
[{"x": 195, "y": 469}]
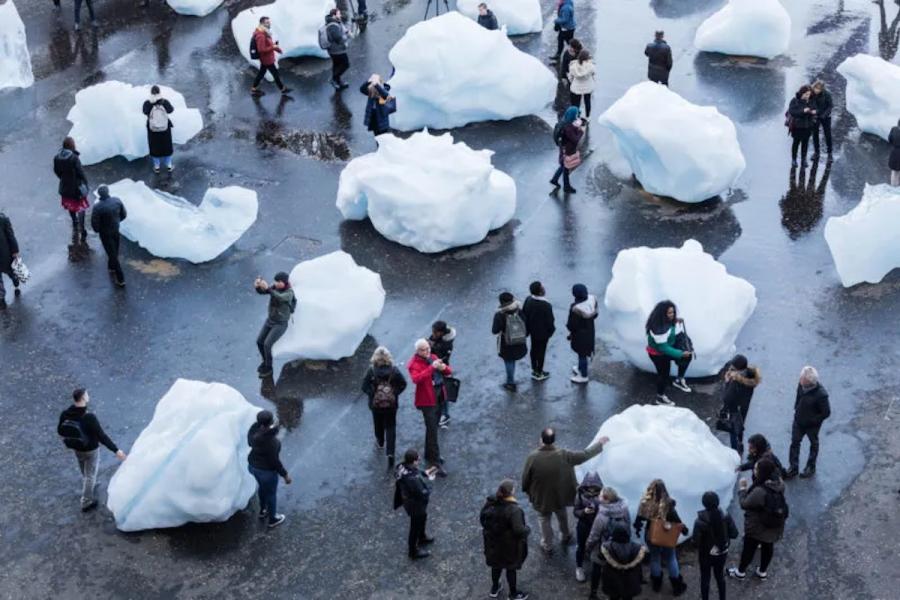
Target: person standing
[
  {"x": 441, "y": 341},
  {"x": 811, "y": 408},
  {"x": 486, "y": 18},
  {"x": 659, "y": 59},
  {"x": 758, "y": 449},
  {"x": 377, "y": 118},
  {"x": 505, "y": 538},
  {"x": 264, "y": 463},
  {"x": 512, "y": 334},
  {"x": 741, "y": 379},
  {"x": 282, "y": 303},
  {"x": 657, "y": 505},
  {"x": 573, "y": 49},
  {"x": 802, "y": 116},
  {"x": 713, "y": 532},
  {"x": 81, "y": 432},
  {"x": 623, "y": 575},
  {"x": 159, "y": 129},
  {"x": 582, "y": 314},
  {"x": 9, "y": 251},
  {"x": 564, "y": 24},
  {"x": 765, "y": 512},
  {"x": 824, "y": 104},
  {"x": 412, "y": 491},
  {"x": 383, "y": 384},
  {"x": 337, "y": 47},
  {"x": 77, "y": 4},
  {"x": 587, "y": 500},
  {"x": 612, "y": 513},
  {"x": 73, "y": 186},
  {"x": 567, "y": 134},
  {"x": 266, "y": 49},
  {"x": 540, "y": 326},
  {"x": 549, "y": 480},
  {"x": 894, "y": 160},
  {"x": 662, "y": 329},
  {"x": 106, "y": 216},
  {"x": 581, "y": 78},
  {"x": 427, "y": 372}
]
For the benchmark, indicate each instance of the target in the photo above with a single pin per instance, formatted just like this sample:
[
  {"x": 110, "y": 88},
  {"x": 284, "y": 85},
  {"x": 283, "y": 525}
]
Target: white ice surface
[
  {"x": 668, "y": 443},
  {"x": 194, "y": 8},
  {"x": 337, "y": 302},
  {"x": 746, "y": 28},
  {"x": 864, "y": 243},
  {"x": 108, "y": 120},
  {"x": 518, "y": 16},
  {"x": 714, "y": 305},
  {"x": 190, "y": 463},
  {"x": 15, "y": 61},
  {"x": 450, "y": 71},
  {"x": 171, "y": 227},
  {"x": 873, "y": 93},
  {"x": 675, "y": 148},
  {"x": 427, "y": 192}
]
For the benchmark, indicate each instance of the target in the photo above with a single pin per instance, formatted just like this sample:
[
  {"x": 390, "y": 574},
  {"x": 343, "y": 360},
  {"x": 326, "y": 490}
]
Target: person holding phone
[
  {"x": 412, "y": 491},
  {"x": 662, "y": 328},
  {"x": 264, "y": 463},
  {"x": 427, "y": 371}
]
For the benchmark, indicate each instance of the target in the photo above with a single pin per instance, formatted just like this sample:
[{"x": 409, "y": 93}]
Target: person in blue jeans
[
  {"x": 265, "y": 465},
  {"x": 657, "y": 505},
  {"x": 509, "y": 327}
]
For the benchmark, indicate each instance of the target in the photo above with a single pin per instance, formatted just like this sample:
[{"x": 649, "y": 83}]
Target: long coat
[
  {"x": 160, "y": 141},
  {"x": 549, "y": 476},
  {"x": 505, "y": 533},
  {"x": 753, "y": 501},
  {"x": 581, "y": 326},
  {"x": 8, "y": 244}
]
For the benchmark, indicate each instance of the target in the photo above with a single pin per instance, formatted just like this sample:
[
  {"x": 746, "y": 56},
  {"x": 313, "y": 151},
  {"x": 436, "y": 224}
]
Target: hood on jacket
[
  {"x": 586, "y": 308},
  {"x": 447, "y": 337},
  {"x": 382, "y": 371},
  {"x": 511, "y": 307},
  {"x": 331, "y": 19},
  {"x": 815, "y": 392},
  {"x": 581, "y": 69},
  {"x": 776, "y": 485},
  {"x": 403, "y": 470},
  {"x": 66, "y": 154},
  {"x": 258, "y": 434},
  {"x": 622, "y": 555},
  {"x": 591, "y": 479},
  {"x": 750, "y": 377}
]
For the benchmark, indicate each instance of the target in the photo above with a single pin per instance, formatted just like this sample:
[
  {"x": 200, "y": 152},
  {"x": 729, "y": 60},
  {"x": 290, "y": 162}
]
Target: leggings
[
  {"x": 749, "y": 551},
  {"x": 78, "y": 221},
  {"x": 801, "y": 141},
  {"x": 563, "y": 38},
  {"x": 712, "y": 566},
  {"x": 575, "y": 100},
  {"x": 663, "y": 364},
  {"x": 510, "y": 579},
  {"x": 262, "y": 73}
]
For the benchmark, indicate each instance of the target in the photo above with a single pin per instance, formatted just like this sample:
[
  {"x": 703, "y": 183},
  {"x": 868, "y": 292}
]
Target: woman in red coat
[{"x": 427, "y": 371}]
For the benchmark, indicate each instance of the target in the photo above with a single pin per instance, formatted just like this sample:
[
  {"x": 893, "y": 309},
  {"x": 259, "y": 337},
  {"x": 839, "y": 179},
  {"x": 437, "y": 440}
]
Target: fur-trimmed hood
[
  {"x": 623, "y": 556},
  {"x": 750, "y": 377}
]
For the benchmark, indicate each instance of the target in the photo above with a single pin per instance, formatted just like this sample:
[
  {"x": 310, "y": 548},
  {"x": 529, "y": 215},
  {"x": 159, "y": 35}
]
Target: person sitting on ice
[
  {"x": 663, "y": 343},
  {"x": 486, "y": 17}
]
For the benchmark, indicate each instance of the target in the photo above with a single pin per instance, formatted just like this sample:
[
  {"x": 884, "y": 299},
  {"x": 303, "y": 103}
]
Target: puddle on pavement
[
  {"x": 158, "y": 268},
  {"x": 312, "y": 144}
]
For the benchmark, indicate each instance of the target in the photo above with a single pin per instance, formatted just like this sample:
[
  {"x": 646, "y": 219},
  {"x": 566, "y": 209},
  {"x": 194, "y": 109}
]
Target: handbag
[
  {"x": 20, "y": 270},
  {"x": 84, "y": 190},
  {"x": 664, "y": 534},
  {"x": 571, "y": 161},
  {"x": 683, "y": 341},
  {"x": 451, "y": 388}
]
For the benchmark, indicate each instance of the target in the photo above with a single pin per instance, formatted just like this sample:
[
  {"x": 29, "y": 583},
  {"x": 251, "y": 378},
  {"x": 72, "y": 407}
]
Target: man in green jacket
[
  {"x": 282, "y": 303},
  {"x": 549, "y": 480}
]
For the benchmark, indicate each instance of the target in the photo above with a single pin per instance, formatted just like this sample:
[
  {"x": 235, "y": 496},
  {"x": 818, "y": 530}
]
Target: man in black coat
[
  {"x": 107, "y": 214},
  {"x": 659, "y": 56},
  {"x": 9, "y": 250},
  {"x": 486, "y": 18},
  {"x": 811, "y": 408},
  {"x": 412, "y": 492},
  {"x": 824, "y": 105},
  {"x": 538, "y": 314}
]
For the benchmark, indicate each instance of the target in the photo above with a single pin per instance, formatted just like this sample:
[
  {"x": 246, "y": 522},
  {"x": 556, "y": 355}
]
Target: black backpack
[
  {"x": 775, "y": 510},
  {"x": 617, "y": 521},
  {"x": 557, "y": 133},
  {"x": 254, "y": 51},
  {"x": 73, "y": 435}
]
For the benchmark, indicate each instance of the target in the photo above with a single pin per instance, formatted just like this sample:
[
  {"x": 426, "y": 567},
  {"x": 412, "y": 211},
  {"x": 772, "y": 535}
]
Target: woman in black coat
[
  {"x": 622, "y": 575},
  {"x": 894, "y": 161},
  {"x": 582, "y": 314},
  {"x": 73, "y": 186},
  {"x": 802, "y": 112},
  {"x": 510, "y": 353},
  {"x": 713, "y": 532},
  {"x": 159, "y": 137},
  {"x": 505, "y": 538},
  {"x": 383, "y": 384}
]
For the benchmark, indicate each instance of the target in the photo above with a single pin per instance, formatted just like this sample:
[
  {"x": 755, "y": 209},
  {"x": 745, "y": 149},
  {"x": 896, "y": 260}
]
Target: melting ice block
[
  {"x": 518, "y": 16},
  {"x": 450, "y": 71},
  {"x": 190, "y": 463},
  {"x": 171, "y": 227},
  {"x": 714, "y": 305},
  {"x": 873, "y": 93},
  {"x": 668, "y": 443},
  {"x": 194, "y": 8},
  {"x": 108, "y": 120},
  {"x": 864, "y": 243},
  {"x": 427, "y": 192},
  {"x": 15, "y": 61},
  {"x": 746, "y": 28},
  {"x": 337, "y": 303},
  {"x": 295, "y": 26},
  {"x": 675, "y": 148}
]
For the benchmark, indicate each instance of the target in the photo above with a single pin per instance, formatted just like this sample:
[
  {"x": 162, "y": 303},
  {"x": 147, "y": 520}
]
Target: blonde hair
[
  {"x": 655, "y": 502},
  {"x": 382, "y": 357},
  {"x": 609, "y": 494}
]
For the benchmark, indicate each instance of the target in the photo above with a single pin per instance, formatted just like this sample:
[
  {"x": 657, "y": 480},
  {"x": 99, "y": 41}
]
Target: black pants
[
  {"x": 596, "y": 572},
  {"x": 663, "y": 365},
  {"x": 712, "y": 566},
  {"x": 90, "y": 5},
  {"x": 801, "y": 140},
  {"x": 825, "y": 124},
  {"x": 262, "y": 73},
  {"x": 538, "y": 351},
  {"x": 575, "y": 100},
  {"x": 268, "y": 335},
  {"x": 385, "y": 422},
  {"x": 110, "y": 243},
  {"x": 565, "y": 176},
  {"x": 416, "y": 531},
  {"x": 562, "y": 39},
  {"x": 510, "y": 579},
  {"x": 432, "y": 451},
  {"x": 582, "y": 531},
  {"x": 797, "y": 435},
  {"x": 749, "y": 551},
  {"x": 78, "y": 222},
  {"x": 339, "y": 65}
]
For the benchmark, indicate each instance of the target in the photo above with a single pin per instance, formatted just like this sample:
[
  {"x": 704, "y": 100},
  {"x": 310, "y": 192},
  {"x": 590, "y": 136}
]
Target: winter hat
[
  {"x": 710, "y": 501},
  {"x": 103, "y": 191},
  {"x": 282, "y": 277},
  {"x": 580, "y": 291},
  {"x": 620, "y": 534}
]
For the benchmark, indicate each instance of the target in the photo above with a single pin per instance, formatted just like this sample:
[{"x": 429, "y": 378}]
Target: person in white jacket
[{"x": 581, "y": 81}]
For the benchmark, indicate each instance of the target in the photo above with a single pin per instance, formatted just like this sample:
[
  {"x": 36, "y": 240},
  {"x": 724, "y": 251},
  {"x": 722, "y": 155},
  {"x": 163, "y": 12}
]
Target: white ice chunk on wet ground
[
  {"x": 190, "y": 463},
  {"x": 675, "y": 148},
  {"x": 427, "y": 192},
  {"x": 450, "y": 71},
  {"x": 714, "y": 305},
  {"x": 668, "y": 443},
  {"x": 873, "y": 93},
  {"x": 194, "y": 8},
  {"x": 864, "y": 243},
  {"x": 15, "y": 61},
  {"x": 746, "y": 28},
  {"x": 171, "y": 227},
  {"x": 108, "y": 120},
  {"x": 518, "y": 16},
  {"x": 337, "y": 302}
]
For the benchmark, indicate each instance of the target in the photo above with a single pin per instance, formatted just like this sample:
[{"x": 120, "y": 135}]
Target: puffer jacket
[
  {"x": 753, "y": 501},
  {"x": 67, "y": 167},
  {"x": 581, "y": 326},
  {"x": 504, "y": 350},
  {"x": 581, "y": 77},
  {"x": 608, "y": 515},
  {"x": 621, "y": 575},
  {"x": 505, "y": 533}
]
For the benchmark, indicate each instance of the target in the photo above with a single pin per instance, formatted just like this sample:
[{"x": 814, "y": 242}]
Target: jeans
[
  {"x": 562, "y": 518},
  {"x": 538, "y": 351},
  {"x": 663, "y": 366},
  {"x": 565, "y": 177},
  {"x": 657, "y": 555},
  {"x": 582, "y": 531},
  {"x": 712, "y": 566},
  {"x": 88, "y": 464},
  {"x": 825, "y": 124},
  {"x": 510, "y": 370},
  {"x": 563, "y": 38},
  {"x": 385, "y": 423},
  {"x": 262, "y": 73},
  {"x": 267, "y": 491},
  {"x": 583, "y": 364},
  {"x": 110, "y": 243},
  {"x": 432, "y": 451},
  {"x": 797, "y": 435},
  {"x": 165, "y": 160},
  {"x": 510, "y": 579},
  {"x": 416, "y": 531},
  {"x": 749, "y": 550},
  {"x": 339, "y": 65},
  {"x": 268, "y": 335},
  {"x": 90, "y": 5},
  {"x": 801, "y": 140},
  {"x": 575, "y": 100},
  {"x": 895, "y": 178}
]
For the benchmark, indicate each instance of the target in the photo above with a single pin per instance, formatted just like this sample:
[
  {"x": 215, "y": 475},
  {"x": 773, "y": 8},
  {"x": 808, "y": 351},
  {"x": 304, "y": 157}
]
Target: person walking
[
  {"x": 894, "y": 159},
  {"x": 741, "y": 379},
  {"x": 801, "y": 116},
  {"x": 512, "y": 334},
  {"x": 264, "y": 463},
  {"x": 758, "y": 449},
  {"x": 659, "y": 59},
  {"x": 582, "y": 314},
  {"x": 612, "y": 513},
  {"x": 824, "y": 104},
  {"x": 548, "y": 479},
  {"x": 657, "y": 505},
  {"x": 765, "y": 512},
  {"x": 441, "y": 341},
  {"x": 159, "y": 129},
  {"x": 266, "y": 48},
  {"x": 567, "y": 134},
  {"x": 540, "y": 326},
  {"x": 77, "y": 5},
  {"x": 377, "y": 117},
  {"x": 282, "y": 303},
  {"x": 581, "y": 78},
  {"x": 587, "y": 499},
  {"x": 811, "y": 408},
  {"x": 383, "y": 384},
  {"x": 81, "y": 432},
  {"x": 107, "y": 214},
  {"x": 564, "y": 25},
  {"x": 9, "y": 251},
  {"x": 412, "y": 491},
  {"x": 663, "y": 328},
  {"x": 486, "y": 18},
  {"x": 713, "y": 532},
  {"x": 337, "y": 47},
  {"x": 505, "y": 538},
  {"x": 427, "y": 372},
  {"x": 73, "y": 186}
]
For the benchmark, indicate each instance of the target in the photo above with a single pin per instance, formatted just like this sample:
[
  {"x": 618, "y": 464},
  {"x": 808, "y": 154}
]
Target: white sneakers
[
  {"x": 578, "y": 379},
  {"x": 579, "y": 575},
  {"x": 663, "y": 399},
  {"x": 682, "y": 385}
]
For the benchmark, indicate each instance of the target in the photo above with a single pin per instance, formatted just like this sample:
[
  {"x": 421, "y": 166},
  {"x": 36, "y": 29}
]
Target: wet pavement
[{"x": 72, "y": 328}]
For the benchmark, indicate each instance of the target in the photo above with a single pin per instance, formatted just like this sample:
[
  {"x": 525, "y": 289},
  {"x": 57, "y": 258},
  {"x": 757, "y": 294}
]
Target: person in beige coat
[{"x": 581, "y": 81}]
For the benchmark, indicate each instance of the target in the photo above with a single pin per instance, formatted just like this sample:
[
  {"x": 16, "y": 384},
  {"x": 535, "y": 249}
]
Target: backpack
[
  {"x": 158, "y": 118},
  {"x": 73, "y": 435},
  {"x": 384, "y": 396},
  {"x": 557, "y": 133},
  {"x": 514, "y": 334},
  {"x": 789, "y": 121},
  {"x": 254, "y": 51},
  {"x": 618, "y": 520},
  {"x": 775, "y": 510},
  {"x": 324, "y": 42}
]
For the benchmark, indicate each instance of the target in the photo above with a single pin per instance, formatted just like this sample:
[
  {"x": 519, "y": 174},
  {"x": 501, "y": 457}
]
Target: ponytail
[{"x": 717, "y": 523}]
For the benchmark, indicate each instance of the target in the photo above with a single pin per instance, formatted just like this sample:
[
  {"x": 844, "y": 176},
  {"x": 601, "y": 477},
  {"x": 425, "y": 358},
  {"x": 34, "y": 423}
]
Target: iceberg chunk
[
  {"x": 427, "y": 192},
  {"x": 675, "y": 148},
  {"x": 518, "y": 16},
  {"x": 873, "y": 93},
  {"x": 295, "y": 26},
  {"x": 337, "y": 302},
  {"x": 171, "y": 227},
  {"x": 668, "y": 443},
  {"x": 108, "y": 120},
  {"x": 714, "y": 305},
  {"x": 450, "y": 71},
  {"x": 15, "y": 61},
  {"x": 864, "y": 243},
  {"x": 190, "y": 463},
  {"x": 746, "y": 28},
  {"x": 194, "y": 8}
]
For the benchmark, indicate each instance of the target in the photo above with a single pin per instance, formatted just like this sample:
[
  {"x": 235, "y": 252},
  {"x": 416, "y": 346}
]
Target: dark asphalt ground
[{"x": 72, "y": 328}]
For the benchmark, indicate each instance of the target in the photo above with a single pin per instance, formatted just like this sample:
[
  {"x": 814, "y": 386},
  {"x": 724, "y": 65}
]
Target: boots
[
  {"x": 678, "y": 585},
  {"x": 656, "y": 582}
]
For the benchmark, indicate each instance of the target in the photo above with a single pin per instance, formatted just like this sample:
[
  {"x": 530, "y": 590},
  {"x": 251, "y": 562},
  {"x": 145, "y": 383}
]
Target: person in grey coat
[
  {"x": 9, "y": 250},
  {"x": 612, "y": 512},
  {"x": 337, "y": 47},
  {"x": 108, "y": 212}
]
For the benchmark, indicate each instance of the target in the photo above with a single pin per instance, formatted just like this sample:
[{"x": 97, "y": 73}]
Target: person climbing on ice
[
  {"x": 264, "y": 463},
  {"x": 73, "y": 187},
  {"x": 512, "y": 336},
  {"x": 663, "y": 328},
  {"x": 567, "y": 134},
  {"x": 582, "y": 314},
  {"x": 486, "y": 17},
  {"x": 338, "y": 36},
  {"x": 159, "y": 129},
  {"x": 894, "y": 160},
  {"x": 265, "y": 48},
  {"x": 282, "y": 303},
  {"x": 801, "y": 117},
  {"x": 564, "y": 25},
  {"x": 659, "y": 59}
]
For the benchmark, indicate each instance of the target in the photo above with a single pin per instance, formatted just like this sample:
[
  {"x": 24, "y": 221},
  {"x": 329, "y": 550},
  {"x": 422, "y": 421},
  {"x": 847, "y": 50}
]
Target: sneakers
[
  {"x": 791, "y": 473},
  {"x": 419, "y": 554},
  {"x": 682, "y": 385},
  {"x": 443, "y": 422},
  {"x": 733, "y": 572},
  {"x": 510, "y": 387},
  {"x": 495, "y": 590},
  {"x": 808, "y": 472},
  {"x": 579, "y": 575},
  {"x": 278, "y": 520},
  {"x": 578, "y": 379},
  {"x": 761, "y": 574},
  {"x": 539, "y": 376},
  {"x": 89, "y": 506},
  {"x": 663, "y": 399},
  {"x": 171, "y": 168},
  {"x": 156, "y": 170},
  {"x": 569, "y": 190},
  {"x": 520, "y": 596}
]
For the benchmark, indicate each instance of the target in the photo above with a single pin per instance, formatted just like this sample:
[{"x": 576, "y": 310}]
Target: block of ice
[
  {"x": 873, "y": 93},
  {"x": 450, "y": 71},
  {"x": 337, "y": 302},
  {"x": 171, "y": 227},
  {"x": 714, "y": 305},
  {"x": 668, "y": 443},
  {"x": 864, "y": 243},
  {"x": 15, "y": 61},
  {"x": 108, "y": 120},
  {"x": 194, "y": 8},
  {"x": 190, "y": 463},
  {"x": 295, "y": 26},
  {"x": 675, "y": 148},
  {"x": 518, "y": 16},
  {"x": 746, "y": 28},
  {"x": 427, "y": 192}
]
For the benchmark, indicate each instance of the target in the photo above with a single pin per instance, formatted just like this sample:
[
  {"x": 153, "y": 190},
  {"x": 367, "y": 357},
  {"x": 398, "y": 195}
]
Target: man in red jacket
[
  {"x": 266, "y": 48},
  {"x": 427, "y": 372}
]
